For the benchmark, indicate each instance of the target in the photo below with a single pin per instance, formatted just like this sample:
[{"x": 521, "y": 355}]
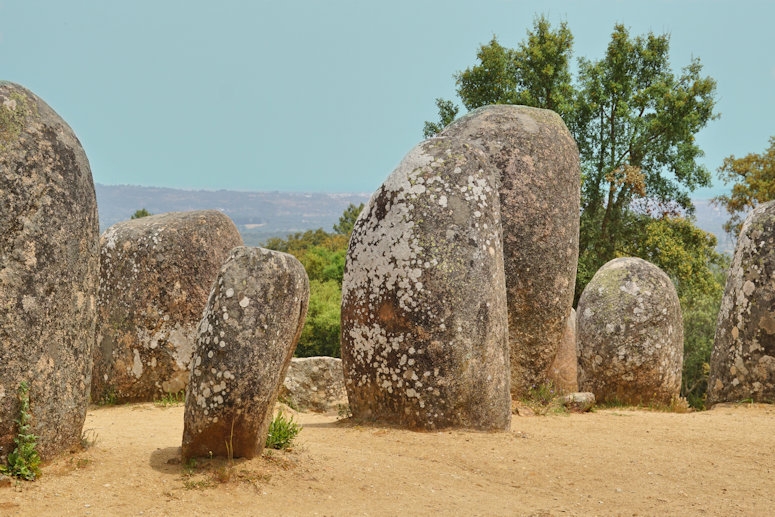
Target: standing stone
[
  {"x": 564, "y": 370},
  {"x": 246, "y": 339},
  {"x": 742, "y": 365},
  {"x": 156, "y": 273},
  {"x": 423, "y": 298},
  {"x": 538, "y": 163},
  {"x": 49, "y": 272},
  {"x": 630, "y": 334},
  {"x": 314, "y": 383}
]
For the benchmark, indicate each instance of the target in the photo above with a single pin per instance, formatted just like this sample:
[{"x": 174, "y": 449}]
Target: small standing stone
[
  {"x": 564, "y": 370},
  {"x": 246, "y": 339},
  {"x": 423, "y": 298},
  {"x": 630, "y": 334},
  {"x": 156, "y": 273},
  {"x": 49, "y": 272},
  {"x": 314, "y": 383},
  {"x": 742, "y": 365}
]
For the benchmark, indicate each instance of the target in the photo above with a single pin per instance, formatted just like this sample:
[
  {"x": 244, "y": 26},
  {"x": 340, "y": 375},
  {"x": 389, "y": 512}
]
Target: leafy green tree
[
  {"x": 753, "y": 181},
  {"x": 700, "y": 312},
  {"x": 140, "y": 213},
  {"x": 634, "y": 121},
  {"x": 347, "y": 219},
  {"x": 320, "y": 335},
  {"x": 632, "y": 117},
  {"x": 447, "y": 113},
  {"x": 535, "y": 74}
]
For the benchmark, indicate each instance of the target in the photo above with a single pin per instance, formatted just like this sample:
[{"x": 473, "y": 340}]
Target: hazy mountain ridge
[{"x": 260, "y": 215}]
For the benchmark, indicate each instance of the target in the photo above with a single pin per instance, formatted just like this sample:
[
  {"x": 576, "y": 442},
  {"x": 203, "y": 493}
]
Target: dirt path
[{"x": 610, "y": 462}]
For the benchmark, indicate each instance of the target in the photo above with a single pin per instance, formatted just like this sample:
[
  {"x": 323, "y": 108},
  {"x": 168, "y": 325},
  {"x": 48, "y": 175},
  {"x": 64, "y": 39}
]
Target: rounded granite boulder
[
  {"x": 49, "y": 272},
  {"x": 156, "y": 273},
  {"x": 630, "y": 334}
]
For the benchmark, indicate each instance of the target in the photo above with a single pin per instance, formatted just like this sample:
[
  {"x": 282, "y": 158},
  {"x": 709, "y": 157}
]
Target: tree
[
  {"x": 140, "y": 213},
  {"x": 535, "y": 74},
  {"x": 447, "y": 113},
  {"x": 347, "y": 219},
  {"x": 634, "y": 122},
  {"x": 753, "y": 181}
]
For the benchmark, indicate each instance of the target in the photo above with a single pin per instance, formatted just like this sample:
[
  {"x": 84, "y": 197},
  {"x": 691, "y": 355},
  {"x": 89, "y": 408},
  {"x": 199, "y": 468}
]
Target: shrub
[
  {"x": 282, "y": 432},
  {"x": 24, "y": 461}
]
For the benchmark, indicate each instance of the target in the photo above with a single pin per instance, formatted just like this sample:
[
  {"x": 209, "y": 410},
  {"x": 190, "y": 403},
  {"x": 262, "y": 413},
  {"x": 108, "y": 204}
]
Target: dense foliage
[
  {"x": 753, "y": 181},
  {"x": 322, "y": 254}
]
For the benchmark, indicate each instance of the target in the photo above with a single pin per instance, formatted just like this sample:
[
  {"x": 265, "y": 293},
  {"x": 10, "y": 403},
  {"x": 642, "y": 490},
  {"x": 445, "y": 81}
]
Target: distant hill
[{"x": 260, "y": 215}]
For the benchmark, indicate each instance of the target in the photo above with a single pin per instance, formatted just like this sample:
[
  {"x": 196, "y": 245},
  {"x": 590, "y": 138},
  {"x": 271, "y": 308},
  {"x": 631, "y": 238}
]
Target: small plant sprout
[
  {"x": 282, "y": 432},
  {"x": 24, "y": 461}
]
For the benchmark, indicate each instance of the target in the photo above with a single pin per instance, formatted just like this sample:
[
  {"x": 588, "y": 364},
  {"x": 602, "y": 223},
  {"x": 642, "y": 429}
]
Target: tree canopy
[{"x": 753, "y": 181}]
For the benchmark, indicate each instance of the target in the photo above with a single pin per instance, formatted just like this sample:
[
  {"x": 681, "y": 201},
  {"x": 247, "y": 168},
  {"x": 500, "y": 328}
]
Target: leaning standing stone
[
  {"x": 630, "y": 334},
  {"x": 538, "y": 163},
  {"x": 423, "y": 298},
  {"x": 156, "y": 274},
  {"x": 246, "y": 339},
  {"x": 742, "y": 365},
  {"x": 49, "y": 272}
]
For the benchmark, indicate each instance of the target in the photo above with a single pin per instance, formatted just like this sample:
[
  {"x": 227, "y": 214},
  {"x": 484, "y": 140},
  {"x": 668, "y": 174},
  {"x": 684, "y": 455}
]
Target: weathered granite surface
[
  {"x": 155, "y": 277},
  {"x": 49, "y": 272},
  {"x": 539, "y": 189},
  {"x": 424, "y": 323},
  {"x": 742, "y": 365},
  {"x": 630, "y": 334},
  {"x": 246, "y": 339}
]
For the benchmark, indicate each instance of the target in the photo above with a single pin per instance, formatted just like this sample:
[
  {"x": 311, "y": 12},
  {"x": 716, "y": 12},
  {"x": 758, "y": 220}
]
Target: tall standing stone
[
  {"x": 423, "y": 298},
  {"x": 630, "y": 334},
  {"x": 246, "y": 339},
  {"x": 49, "y": 267},
  {"x": 538, "y": 164},
  {"x": 742, "y": 365},
  {"x": 156, "y": 274}
]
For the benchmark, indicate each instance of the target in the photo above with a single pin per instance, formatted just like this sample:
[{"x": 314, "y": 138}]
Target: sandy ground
[{"x": 609, "y": 462}]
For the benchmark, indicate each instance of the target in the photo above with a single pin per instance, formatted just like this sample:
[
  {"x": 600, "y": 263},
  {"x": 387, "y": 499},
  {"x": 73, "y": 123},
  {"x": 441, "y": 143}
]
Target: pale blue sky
[{"x": 309, "y": 95}]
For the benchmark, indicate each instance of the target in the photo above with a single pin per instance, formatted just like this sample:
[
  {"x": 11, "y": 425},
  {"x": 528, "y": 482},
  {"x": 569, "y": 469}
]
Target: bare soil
[{"x": 608, "y": 462}]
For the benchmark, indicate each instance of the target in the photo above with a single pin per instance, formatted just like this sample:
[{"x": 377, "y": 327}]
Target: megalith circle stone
[
  {"x": 742, "y": 366},
  {"x": 538, "y": 165},
  {"x": 156, "y": 273},
  {"x": 246, "y": 339},
  {"x": 49, "y": 272},
  {"x": 423, "y": 298},
  {"x": 630, "y": 334}
]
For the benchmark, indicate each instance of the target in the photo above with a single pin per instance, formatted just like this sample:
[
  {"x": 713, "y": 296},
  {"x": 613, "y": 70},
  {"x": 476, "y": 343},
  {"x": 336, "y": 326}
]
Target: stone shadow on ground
[{"x": 166, "y": 460}]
